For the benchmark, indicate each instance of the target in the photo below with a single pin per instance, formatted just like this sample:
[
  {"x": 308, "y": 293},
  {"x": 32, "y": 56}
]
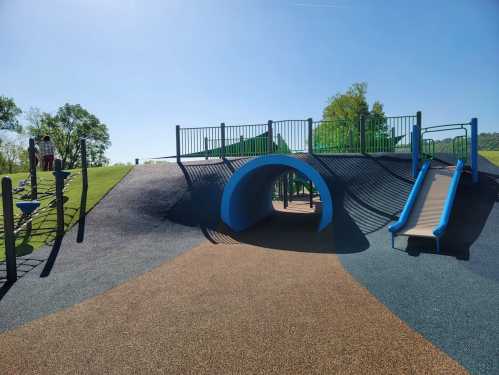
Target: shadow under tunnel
[{"x": 200, "y": 206}]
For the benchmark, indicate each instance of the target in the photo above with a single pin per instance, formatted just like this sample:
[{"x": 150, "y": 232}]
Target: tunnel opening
[{"x": 250, "y": 195}]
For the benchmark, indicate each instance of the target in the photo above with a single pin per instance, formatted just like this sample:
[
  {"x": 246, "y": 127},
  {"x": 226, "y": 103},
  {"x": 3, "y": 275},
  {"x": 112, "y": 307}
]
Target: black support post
[
  {"x": 59, "y": 198},
  {"x": 84, "y": 189},
  {"x": 177, "y": 139},
  {"x": 32, "y": 169},
  {"x": 270, "y": 140},
  {"x": 362, "y": 134},
  {"x": 310, "y": 136},
  {"x": 311, "y": 193},
  {"x": 8, "y": 223},
  {"x": 222, "y": 139},
  {"x": 285, "y": 190}
]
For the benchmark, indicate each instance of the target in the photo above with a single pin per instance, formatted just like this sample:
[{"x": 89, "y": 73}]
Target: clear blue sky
[{"x": 143, "y": 66}]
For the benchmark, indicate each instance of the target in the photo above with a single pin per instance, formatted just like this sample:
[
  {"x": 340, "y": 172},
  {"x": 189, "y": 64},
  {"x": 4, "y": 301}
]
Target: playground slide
[{"x": 427, "y": 210}]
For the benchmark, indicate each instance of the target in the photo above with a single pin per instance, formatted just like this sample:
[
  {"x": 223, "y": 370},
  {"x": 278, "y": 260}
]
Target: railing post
[
  {"x": 59, "y": 198},
  {"x": 241, "y": 145},
  {"x": 419, "y": 120},
  {"x": 9, "y": 236},
  {"x": 362, "y": 133},
  {"x": 32, "y": 169},
  {"x": 270, "y": 141},
  {"x": 474, "y": 149},
  {"x": 222, "y": 138},
  {"x": 84, "y": 189},
  {"x": 177, "y": 138},
  {"x": 416, "y": 142},
  {"x": 205, "y": 148},
  {"x": 310, "y": 136}
]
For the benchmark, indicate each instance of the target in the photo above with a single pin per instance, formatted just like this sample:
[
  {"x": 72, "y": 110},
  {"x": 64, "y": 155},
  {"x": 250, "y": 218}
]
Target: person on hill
[{"x": 47, "y": 151}]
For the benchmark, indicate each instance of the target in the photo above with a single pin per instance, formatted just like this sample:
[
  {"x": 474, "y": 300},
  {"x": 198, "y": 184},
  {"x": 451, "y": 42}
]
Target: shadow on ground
[{"x": 369, "y": 192}]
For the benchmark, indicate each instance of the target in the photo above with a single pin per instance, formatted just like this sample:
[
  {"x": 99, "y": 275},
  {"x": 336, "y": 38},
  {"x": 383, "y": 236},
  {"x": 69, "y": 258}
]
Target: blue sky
[{"x": 143, "y": 66}]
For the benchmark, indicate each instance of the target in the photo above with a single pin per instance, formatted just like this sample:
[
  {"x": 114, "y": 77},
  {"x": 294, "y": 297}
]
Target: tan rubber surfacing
[{"x": 227, "y": 309}]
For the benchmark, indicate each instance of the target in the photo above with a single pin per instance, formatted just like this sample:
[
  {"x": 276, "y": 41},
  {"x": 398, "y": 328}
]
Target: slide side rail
[
  {"x": 406, "y": 211},
  {"x": 449, "y": 200}
]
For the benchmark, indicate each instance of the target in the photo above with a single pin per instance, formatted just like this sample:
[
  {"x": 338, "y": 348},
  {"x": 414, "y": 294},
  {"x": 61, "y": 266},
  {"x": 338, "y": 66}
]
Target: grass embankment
[
  {"x": 492, "y": 156},
  {"x": 101, "y": 180}
]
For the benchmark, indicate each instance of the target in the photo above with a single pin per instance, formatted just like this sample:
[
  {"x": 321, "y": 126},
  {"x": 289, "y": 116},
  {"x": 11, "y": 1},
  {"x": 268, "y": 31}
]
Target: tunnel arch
[{"x": 247, "y": 197}]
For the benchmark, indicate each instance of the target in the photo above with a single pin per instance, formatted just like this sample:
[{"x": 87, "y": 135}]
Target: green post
[
  {"x": 9, "y": 236},
  {"x": 241, "y": 145}
]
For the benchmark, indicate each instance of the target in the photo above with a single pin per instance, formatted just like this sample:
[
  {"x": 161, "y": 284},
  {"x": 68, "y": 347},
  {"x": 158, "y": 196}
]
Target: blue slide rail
[
  {"x": 406, "y": 211},
  {"x": 449, "y": 202}
]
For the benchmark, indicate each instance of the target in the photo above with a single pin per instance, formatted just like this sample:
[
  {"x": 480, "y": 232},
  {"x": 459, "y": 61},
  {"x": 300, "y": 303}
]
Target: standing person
[{"x": 47, "y": 151}]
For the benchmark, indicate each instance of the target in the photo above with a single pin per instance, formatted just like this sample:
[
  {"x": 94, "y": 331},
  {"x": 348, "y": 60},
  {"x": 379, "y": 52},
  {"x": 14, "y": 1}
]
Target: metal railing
[
  {"x": 383, "y": 134},
  {"x": 449, "y": 144}
]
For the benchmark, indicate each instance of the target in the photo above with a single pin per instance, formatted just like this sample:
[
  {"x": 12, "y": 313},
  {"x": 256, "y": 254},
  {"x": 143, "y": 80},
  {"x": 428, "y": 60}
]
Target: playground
[{"x": 294, "y": 246}]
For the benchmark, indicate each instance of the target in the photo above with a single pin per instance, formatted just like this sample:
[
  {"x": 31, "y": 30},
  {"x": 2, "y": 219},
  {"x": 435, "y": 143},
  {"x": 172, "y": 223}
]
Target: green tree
[
  {"x": 71, "y": 123},
  {"x": 340, "y": 129},
  {"x": 9, "y": 113}
]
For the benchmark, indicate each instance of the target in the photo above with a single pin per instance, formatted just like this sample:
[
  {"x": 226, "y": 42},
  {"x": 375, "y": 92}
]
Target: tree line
[
  {"x": 343, "y": 114},
  {"x": 66, "y": 127}
]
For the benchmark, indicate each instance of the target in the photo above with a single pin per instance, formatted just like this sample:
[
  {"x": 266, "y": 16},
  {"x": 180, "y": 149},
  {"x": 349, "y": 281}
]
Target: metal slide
[{"x": 427, "y": 210}]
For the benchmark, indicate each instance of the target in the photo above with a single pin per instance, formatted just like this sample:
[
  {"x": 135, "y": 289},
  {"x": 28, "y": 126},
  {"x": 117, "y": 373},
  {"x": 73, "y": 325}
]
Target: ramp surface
[{"x": 426, "y": 213}]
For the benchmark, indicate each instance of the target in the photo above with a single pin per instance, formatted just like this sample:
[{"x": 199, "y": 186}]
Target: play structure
[
  {"x": 271, "y": 154},
  {"x": 36, "y": 200}
]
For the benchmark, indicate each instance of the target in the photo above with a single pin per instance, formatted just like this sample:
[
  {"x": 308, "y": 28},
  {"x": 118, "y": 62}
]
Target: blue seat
[{"x": 27, "y": 207}]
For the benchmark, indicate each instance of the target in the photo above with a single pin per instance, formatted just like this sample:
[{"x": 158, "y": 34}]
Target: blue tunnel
[{"x": 247, "y": 197}]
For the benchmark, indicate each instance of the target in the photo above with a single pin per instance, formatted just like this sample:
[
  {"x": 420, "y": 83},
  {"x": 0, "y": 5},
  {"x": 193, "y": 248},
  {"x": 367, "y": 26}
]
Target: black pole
[
  {"x": 363, "y": 135},
  {"x": 32, "y": 169},
  {"x": 9, "y": 236},
  {"x": 177, "y": 139},
  {"x": 311, "y": 194},
  {"x": 310, "y": 136},
  {"x": 222, "y": 138},
  {"x": 270, "y": 137},
  {"x": 285, "y": 190},
  {"x": 59, "y": 198},
  {"x": 84, "y": 189}
]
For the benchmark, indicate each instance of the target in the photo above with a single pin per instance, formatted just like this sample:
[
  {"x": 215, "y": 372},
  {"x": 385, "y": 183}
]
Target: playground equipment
[
  {"x": 247, "y": 197},
  {"x": 44, "y": 196},
  {"x": 429, "y": 206}
]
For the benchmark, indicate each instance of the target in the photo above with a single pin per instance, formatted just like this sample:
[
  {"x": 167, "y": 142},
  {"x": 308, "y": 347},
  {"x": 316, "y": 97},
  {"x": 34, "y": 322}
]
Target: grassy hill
[
  {"x": 492, "y": 156},
  {"x": 101, "y": 180}
]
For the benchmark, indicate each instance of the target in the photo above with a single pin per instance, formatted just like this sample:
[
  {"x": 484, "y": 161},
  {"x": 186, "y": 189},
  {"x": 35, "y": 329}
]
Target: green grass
[
  {"x": 100, "y": 181},
  {"x": 492, "y": 156}
]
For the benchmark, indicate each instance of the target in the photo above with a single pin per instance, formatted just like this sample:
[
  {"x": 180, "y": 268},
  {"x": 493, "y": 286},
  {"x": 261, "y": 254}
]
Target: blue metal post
[
  {"x": 474, "y": 149},
  {"x": 415, "y": 149}
]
